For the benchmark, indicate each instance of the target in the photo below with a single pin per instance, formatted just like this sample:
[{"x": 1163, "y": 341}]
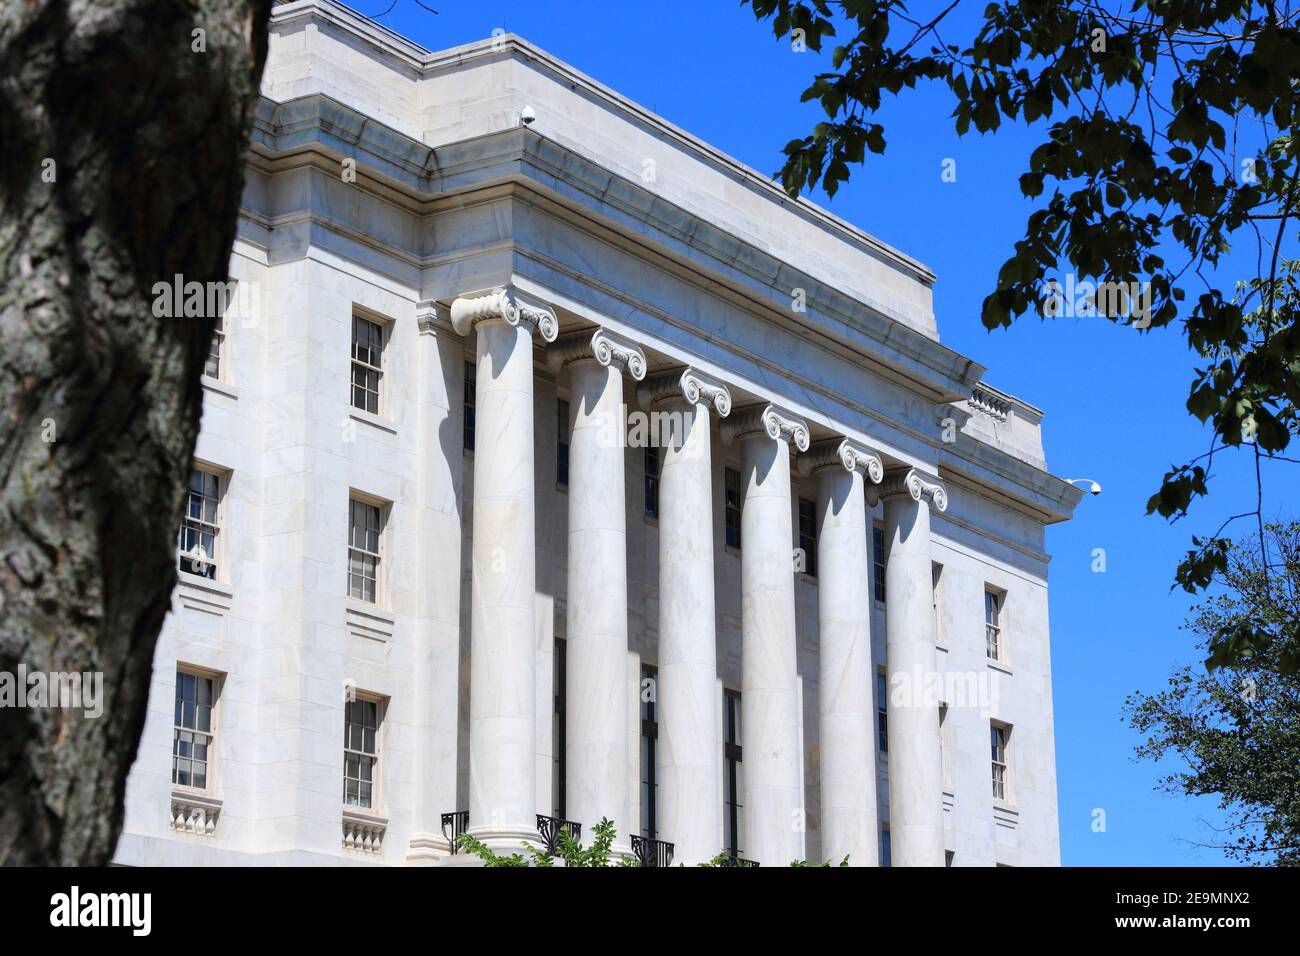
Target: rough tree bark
[{"x": 147, "y": 134}]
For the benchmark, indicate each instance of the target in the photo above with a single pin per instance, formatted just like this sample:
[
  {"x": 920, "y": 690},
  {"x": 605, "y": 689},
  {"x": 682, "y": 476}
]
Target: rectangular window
[
  {"x": 999, "y": 737},
  {"x": 731, "y": 491},
  {"x": 471, "y": 385},
  {"x": 360, "y": 752},
  {"x": 733, "y": 782},
  {"x": 192, "y": 731},
  {"x": 217, "y": 348},
  {"x": 649, "y": 752},
  {"x": 196, "y": 545},
  {"x": 562, "y": 442},
  {"x": 651, "y": 482},
  {"x": 993, "y": 636},
  {"x": 878, "y": 560},
  {"x": 886, "y": 851},
  {"x": 367, "y": 363},
  {"x": 365, "y": 524},
  {"x": 808, "y": 535},
  {"x": 945, "y": 774},
  {"x": 936, "y": 576},
  {"x": 558, "y": 730},
  {"x": 882, "y": 713}
]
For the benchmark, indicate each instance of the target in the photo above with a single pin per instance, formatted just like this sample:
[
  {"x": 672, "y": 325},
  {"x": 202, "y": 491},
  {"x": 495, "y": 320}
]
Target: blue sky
[{"x": 1113, "y": 398}]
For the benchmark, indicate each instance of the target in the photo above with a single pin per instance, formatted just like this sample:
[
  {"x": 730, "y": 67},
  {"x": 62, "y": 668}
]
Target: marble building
[{"x": 556, "y": 466}]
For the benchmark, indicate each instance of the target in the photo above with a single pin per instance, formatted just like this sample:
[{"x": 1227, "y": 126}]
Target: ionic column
[
  {"x": 690, "y": 748},
  {"x": 915, "y": 772},
  {"x": 502, "y": 722},
  {"x": 597, "y": 716},
  {"x": 771, "y": 832},
  {"x": 848, "y": 772}
]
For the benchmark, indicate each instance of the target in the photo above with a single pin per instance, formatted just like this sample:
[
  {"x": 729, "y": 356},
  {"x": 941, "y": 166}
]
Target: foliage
[
  {"x": 572, "y": 852},
  {"x": 1236, "y": 729},
  {"x": 1169, "y": 126}
]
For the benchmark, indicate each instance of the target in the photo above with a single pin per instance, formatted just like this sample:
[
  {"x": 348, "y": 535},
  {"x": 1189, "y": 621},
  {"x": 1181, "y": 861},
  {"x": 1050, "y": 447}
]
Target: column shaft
[
  {"x": 503, "y": 738},
  {"x": 690, "y": 747},
  {"x": 848, "y": 772},
  {"x": 915, "y": 773},
  {"x": 597, "y": 715},
  {"x": 772, "y": 830}
]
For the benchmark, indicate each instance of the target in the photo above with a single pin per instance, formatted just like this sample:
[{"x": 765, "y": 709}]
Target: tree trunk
[{"x": 141, "y": 122}]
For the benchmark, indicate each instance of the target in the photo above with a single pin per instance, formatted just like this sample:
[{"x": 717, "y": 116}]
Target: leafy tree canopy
[
  {"x": 1236, "y": 730},
  {"x": 1168, "y": 137}
]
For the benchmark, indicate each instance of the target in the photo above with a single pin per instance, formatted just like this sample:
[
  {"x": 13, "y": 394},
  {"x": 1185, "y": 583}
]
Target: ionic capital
[
  {"x": 467, "y": 311},
  {"x": 689, "y": 384},
  {"x": 604, "y": 347},
  {"x": 908, "y": 482},
  {"x": 771, "y": 420},
  {"x": 843, "y": 453}
]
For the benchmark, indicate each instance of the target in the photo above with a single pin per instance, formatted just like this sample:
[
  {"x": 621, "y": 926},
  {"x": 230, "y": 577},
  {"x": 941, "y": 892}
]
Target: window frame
[
  {"x": 1000, "y": 736},
  {"x": 650, "y": 480},
  {"x": 217, "y": 350},
  {"x": 733, "y": 780},
  {"x": 559, "y": 728},
  {"x": 936, "y": 599},
  {"x": 469, "y": 407},
  {"x": 882, "y": 712},
  {"x": 563, "y": 439},
  {"x": 945, "y": 749},
  {"x": 878, "y": 562},
  {"x": 217, "y": 525},
  {"x": 731, "y": 511},
  {"x": 210, "y": 773},
  {"x": 380, "y": 554},
  {"x": 995, "y": 633},
  {"x": 807, "y": 532},
  {"x": 365, "y": 364},
  {"x": 648, "y": 756},
  {"x": 376, "y": 758}
]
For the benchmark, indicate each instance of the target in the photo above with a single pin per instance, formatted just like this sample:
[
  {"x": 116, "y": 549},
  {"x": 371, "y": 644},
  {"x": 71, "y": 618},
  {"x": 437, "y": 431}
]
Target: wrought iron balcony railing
[
  {"x": 550, "y": 829},
  {"x": 453, "y": 825},
  {"x": 652, "y": 852}
]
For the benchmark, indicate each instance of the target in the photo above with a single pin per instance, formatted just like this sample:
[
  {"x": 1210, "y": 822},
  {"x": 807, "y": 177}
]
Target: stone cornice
[
  {"x": 315, "y": 130},
  {"x": 843, "y": 453},
  {"x": 610, "y": 350},
  {"x": 468, "y": 311},
  {"x": 909, "y": 483},
  {"x": 690, "y": 385},
  {"x": 422, "y": 61},
  {"x": 422, "y": 179},
  {"x": 770, "y": 420}
]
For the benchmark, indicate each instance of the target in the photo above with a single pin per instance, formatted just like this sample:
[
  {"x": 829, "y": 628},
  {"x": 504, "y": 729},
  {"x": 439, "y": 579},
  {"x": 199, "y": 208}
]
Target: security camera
[
  {"x": 527, "y": 116},
  {"x": 1095, "y": 488}
]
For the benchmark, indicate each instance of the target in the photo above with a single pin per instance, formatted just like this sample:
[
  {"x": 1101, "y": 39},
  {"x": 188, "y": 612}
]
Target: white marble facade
[{"x": 601, "y": 257}]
